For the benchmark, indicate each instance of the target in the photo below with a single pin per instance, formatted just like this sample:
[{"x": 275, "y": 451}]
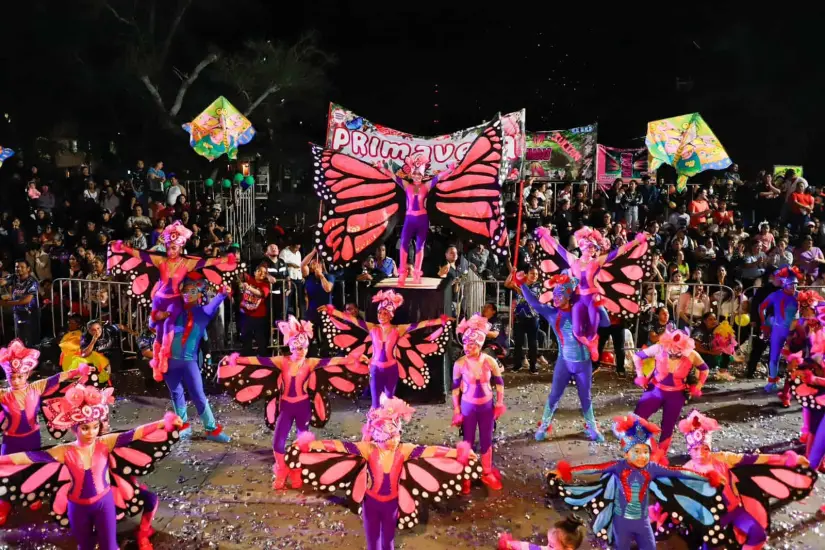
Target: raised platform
[{"x": 427, "y": 283}]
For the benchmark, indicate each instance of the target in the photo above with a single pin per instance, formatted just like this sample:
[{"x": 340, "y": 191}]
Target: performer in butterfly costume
[
  {"x": 88, "y": 481},
  {"x": 619, "y": 500},
  {"x": 784, "y": 306},
  {"x": 574, "y": 360},
  {"x": 474, "y": 406},
  {"x": 799, "y": 340},
  {"x": 187, "y": 325},
  {"x": 751, "y": 481},
  {"x": 23, "y": 400},
  {"x": 295, "y": 387},
  {"x": 386, "y": 478},
  {"x": 366, "y": 201},
  {"x": 618, "y": 270},
  {"x": 669, "y": 385},
  {"x": 172, "y": 268},
  {"x": 395, "y": 351}
]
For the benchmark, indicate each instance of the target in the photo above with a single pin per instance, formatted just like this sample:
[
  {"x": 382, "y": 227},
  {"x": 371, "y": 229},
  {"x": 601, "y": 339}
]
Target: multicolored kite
[
  {"x": 687, "y": 143},
  {"x": 5, "y": 154},
  {"x": 219, "y": 129}
]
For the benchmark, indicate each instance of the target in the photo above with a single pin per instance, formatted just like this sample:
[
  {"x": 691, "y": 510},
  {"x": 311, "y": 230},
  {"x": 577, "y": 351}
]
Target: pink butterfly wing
[
  {"x": 337, "y": 471},
  {"x": 133, "y": 456},
  {"x": 320, "y": 408},
  {"x": 249, "y": 393},
  {"x": 141, "y": 284},
  {"x": 40, "y": 477},
  {"x": 423, "y": 477}
]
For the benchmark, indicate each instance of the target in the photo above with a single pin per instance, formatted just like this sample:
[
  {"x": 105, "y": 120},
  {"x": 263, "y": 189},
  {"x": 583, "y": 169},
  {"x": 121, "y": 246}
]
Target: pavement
[{"x": 220, "y": 496}]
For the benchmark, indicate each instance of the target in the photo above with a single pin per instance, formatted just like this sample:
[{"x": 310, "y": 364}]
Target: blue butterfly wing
[
  {"x": 693, "y": 508},
  {"x": 595, "y": 498}
]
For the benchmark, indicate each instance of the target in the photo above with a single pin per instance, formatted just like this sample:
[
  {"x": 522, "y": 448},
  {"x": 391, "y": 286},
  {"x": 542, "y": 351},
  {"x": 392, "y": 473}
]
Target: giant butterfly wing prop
[
  {"x": 550, "y": 263},
  {"x": 251, "y": 379},
  {"x": 24, "y": 485},
  {"x": 469, "y": 199},
  {"x": 619, "y": 280},
  {"x": 51, "y": 401},
  {"x": 362, "y": 206},
  {"x": 348, "y": 380},
  {"x": 414, "y": 347},
  {"x": 433, "y": 479},
  {"x": 345, "y": 335},
  {"x": 330, "y": 471},
  {"x": 809, "y": 396},
  {"x": 597, "y": 498},
  {"x": 143, "y": 277},
  {"x": 689, "y": 505}
]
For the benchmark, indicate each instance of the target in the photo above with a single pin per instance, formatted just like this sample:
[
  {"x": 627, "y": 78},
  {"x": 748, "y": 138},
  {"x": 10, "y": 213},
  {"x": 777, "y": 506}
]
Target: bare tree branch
[
  {"x": 119, "y": 17},
  {"x": 271, "y": 90},
  {"x": 170, "y": 34},
  {"x": 188, "y": 82},
  {"x": 153, "y": 91}
]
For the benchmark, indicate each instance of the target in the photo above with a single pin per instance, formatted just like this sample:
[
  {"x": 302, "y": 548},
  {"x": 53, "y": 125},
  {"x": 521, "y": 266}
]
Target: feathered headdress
[
  {"x": 295, "y": 330},
  {"x": 385, "y": 421},
  {"x": 587, "y": 237},
  {"x": 698, "y": 429},
  {"x": 787, "y": 275},
  {"x": 632, "y": 430},
  {"x": 18, "y": 359},
  {"x": 176, "y": 233},
  {"x": 388, "y": 300},
  {"x": 562, "y": 284},
  {"x": 81, "y": 405},
  {"x": 475, "y": 329},
  {"x": 677, "y": 342},
  {"x": 808, "y": 298},
  {"x": 416, "y": 163}
]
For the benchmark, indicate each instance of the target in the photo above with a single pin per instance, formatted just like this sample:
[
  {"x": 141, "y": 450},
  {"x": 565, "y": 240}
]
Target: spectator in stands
[
  {"x": 526, "y": 324},
  {"x": 679, "y": 219},
  {"x": 20, "y": 292},
  {"x": 384, "y": 263},
  {"x": 480, "y": 260},
  {"x": 174, "y": 191},
  {"x": 693, "y": 304},
  {"x": 318, "y": 285},
  {"x": 699, "y": 209},
  {"x": 255, "y": 322},
  {"x": 156, "y": 177},
  {"x": 754, "y": 264}
]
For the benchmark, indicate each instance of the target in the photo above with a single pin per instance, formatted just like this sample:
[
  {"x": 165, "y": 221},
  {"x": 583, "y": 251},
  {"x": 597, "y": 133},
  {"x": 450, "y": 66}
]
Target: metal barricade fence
[
  {"x": 107, "y": 301},
  {"x": 240, "y": 213}
]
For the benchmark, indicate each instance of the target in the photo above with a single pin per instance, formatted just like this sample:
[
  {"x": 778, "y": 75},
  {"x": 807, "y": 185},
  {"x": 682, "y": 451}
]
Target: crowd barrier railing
[{"x": 101, "y": 300}]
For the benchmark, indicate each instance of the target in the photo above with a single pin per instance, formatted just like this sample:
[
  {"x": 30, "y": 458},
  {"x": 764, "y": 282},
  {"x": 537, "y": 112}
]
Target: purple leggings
[
  {"x": 379, "y": 523},
  {"x": 755, "y": 535},
  {"x": 415, "y": 227},
  {"x": 816, "y": 449},
  {"x": 585, "y": 316},
  {"x": 164, "y": 303},
  {"x": 300, "y": 413},
  {"x": 12, "y": 444},
  {"x": 382, "y": 380},
  {"x": 627, "y": 530},
  {"x": 93, "y": 524},
  {"x": 481, "y": 417},
  {"x": 671, "y": 403}
]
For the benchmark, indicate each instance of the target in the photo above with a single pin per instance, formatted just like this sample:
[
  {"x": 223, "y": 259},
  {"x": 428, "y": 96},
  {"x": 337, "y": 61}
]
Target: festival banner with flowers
[
  {"x": 780, "y": 169},
  {"x": 561, "y": 155},
  {"x": 613, "y": 163},
  {"x": 370, "y": 142}
]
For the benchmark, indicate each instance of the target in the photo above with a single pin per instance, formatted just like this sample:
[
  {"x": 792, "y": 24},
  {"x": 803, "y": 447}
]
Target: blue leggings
[
  {"x": 627, "y": 530},
  {"x": 186, "y": 374},
  {"x": 779, "y": 334},
  {"x": 563, "y": 372}
]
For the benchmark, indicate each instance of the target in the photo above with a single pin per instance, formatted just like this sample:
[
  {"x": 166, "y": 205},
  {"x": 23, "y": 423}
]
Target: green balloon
[
  {"x": 250, "y": 180},
  {"x": 227, "y": 184},
  {"x": 238, "y": 178},
  {"x": 209, "y": 182}
]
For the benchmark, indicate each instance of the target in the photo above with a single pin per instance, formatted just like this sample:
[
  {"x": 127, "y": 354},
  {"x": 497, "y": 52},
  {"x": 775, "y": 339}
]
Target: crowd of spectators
[{"x": 713, "y": 244}]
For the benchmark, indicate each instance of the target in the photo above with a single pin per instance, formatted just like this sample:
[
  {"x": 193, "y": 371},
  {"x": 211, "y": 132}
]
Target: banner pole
[{"x": 518, "y": 226}]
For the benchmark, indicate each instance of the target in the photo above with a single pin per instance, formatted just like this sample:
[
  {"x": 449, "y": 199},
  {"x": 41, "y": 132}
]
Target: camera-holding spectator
[{"x": 255, "y": 322}]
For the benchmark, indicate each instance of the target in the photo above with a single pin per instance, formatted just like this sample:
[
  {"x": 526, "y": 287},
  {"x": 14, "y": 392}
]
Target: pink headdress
[
  {"x": 176, "y": 233},
  {"x": 808, "y": 298},
  {"x": 475, "y": 329},
  {"x": 416, "y": 163},
  {"x": 698, "y": 429},
  {"x": 587, "y": 237},
  {"x": 81, "y": 405},
  {"x": 389, "y": 300},
  {"x": 295, "y": 330},
  {"x": 384, "y": 422},
  {"x": 18, "y": 359},
  {"x": 677, "y": 342}
]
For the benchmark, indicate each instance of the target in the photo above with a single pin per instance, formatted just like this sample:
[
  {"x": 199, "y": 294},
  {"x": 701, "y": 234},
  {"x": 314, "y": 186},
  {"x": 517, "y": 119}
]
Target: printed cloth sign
[
  {"x": 613, "y": 163},
  {"x": 562, "y": 155}
]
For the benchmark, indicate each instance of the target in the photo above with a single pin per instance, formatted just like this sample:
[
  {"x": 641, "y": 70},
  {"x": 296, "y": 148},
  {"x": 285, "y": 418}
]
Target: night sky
[{"x": 435, "y": 67}]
